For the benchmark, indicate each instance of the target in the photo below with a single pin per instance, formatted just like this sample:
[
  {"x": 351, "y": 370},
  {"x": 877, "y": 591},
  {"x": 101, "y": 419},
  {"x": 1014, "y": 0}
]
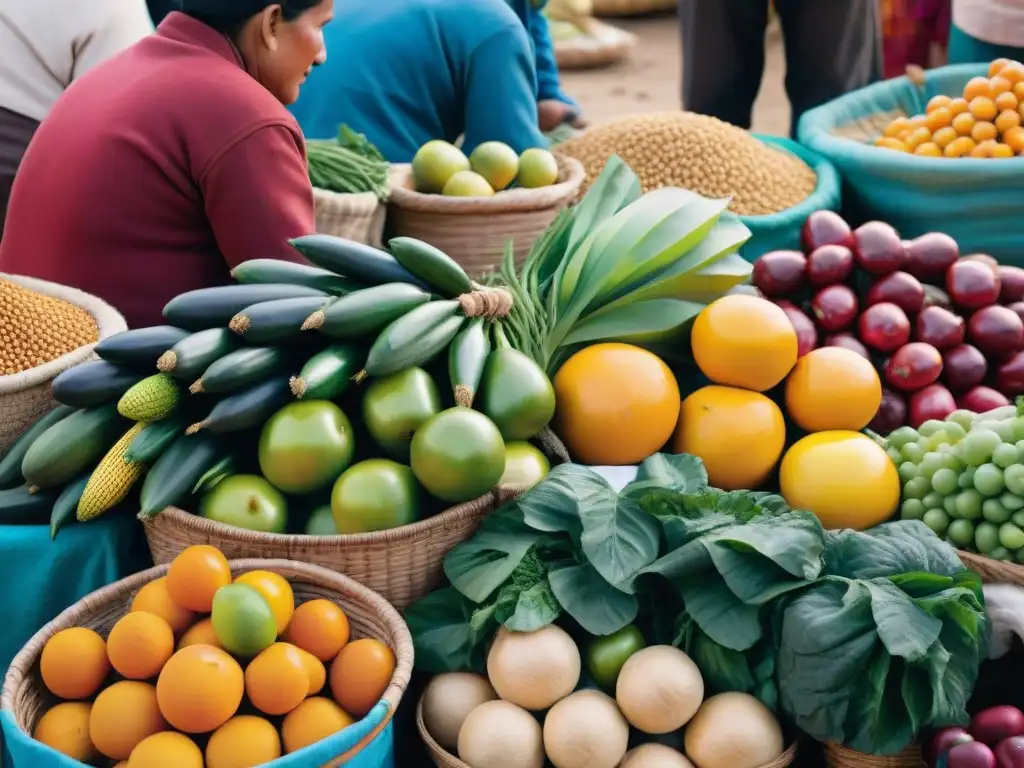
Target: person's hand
[{"x": 551, "y": 113}]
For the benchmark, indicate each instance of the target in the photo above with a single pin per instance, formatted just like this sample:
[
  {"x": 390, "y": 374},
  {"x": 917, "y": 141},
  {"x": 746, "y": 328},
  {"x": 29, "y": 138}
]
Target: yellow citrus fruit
[
  {"x": 361, "y": 674},
  {"x": 276, "y": 591},
  {"x": 738, "y": 434},
  {"x": 276, "y": 681},
  {"x": 242, "y": 742},
  {"x": 166, "y": 750},
  {"x": 843, "y": 477},
  {"x": 200, "y": 688},
  {"x": 314, "y": 719},
  {"x": 744, "y": 341},
  {"x": 319, "y": 627},
  {"x": 497, "y": 162},
  {"x": 537, "y": 168},
  {"x": 74, "y": 663},
  {"x": 154, "y": 598},
  {"x": 122, "y": 716},
  {"x": 139, "y": 645},
  {"x": 436, "y": 162},
  {"x": 615, "y": 404},
  {"x": 315, "y": 670},
  {"x": 200, "y": 633},
  {"x": 195, "y": 575},
  {"x": 65, "y": 728},
  {"x": 833, "y": 388}
]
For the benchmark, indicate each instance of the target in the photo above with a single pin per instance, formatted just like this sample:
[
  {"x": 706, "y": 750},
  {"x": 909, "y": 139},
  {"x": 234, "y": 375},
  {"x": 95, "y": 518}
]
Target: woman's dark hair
[{"x": 229, "y": 16}]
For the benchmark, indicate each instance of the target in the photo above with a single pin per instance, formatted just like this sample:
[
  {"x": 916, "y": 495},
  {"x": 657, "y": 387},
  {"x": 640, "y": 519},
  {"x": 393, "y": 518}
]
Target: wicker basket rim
[
  {"x": 26, "y": 658},
  {"x": 509, "y": 201},
  {"x": 357, "y": 200},
  {"x": 993, "y": 571},
  {"x": 108, "y": 320}
]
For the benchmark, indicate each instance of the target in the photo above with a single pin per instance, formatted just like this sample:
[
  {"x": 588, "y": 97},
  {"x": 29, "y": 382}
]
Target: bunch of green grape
[{"x": 964, "y": 478}]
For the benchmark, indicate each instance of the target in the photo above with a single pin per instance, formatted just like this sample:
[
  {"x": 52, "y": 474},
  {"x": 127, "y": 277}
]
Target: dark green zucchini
[
  {"x": 66, "y": 506},
  {"x": 187, "y": 359},
  {"x": 170, "y": 481},
  {"x": 20, "y": 506},
  {"x": 147, "y": 446},
  {"x": 10, "y": 466},
  {"x": 246, "y": 408},
  {"x": 366, "y": 312},
  {"x": 214, "y": 307},
  {"x": 273, "y": 322},
  {"x": 225, "y": 467},
  {"x": 72, "y": 445},
  {"x": 261, "y": 271},
  {"x": 140, "y": 347},
  {"x": 94, "y": 383},
  {"x": 414, "y": 339},
  {"x": 327, "y": 374},
  {"x": 242, "y": 368},
  {"x": 435, "y": 267},
  {"x": 361, "y": 263}
]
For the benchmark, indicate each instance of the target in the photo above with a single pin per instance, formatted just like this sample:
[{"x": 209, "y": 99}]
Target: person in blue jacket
[
  {"x": 554, "y": 107},
  {"x": 405, "y": 72}
]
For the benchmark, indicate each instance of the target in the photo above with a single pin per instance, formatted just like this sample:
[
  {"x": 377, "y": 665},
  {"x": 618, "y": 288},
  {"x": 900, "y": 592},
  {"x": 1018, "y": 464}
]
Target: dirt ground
[{"x": 650, "y": 80}]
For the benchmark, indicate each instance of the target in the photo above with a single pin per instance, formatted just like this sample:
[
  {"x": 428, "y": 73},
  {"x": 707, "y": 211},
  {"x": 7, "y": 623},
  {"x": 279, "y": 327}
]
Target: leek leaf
[{"x": 644, "y": 321}]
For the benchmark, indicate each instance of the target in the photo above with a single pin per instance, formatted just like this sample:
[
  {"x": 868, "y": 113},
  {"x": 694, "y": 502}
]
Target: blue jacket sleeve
[
  {"x": 548, "y": 83},
  {"x": 501, "y": 92}
]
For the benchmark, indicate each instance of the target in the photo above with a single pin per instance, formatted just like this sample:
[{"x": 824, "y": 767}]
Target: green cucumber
[
  {"x": 72, "y": 445},
  {"x": 213, "y": 307},
  {"x": 362, "y": 263},
  {"x": 187, "y": 359},
  {"x": 94, "y": 383},
  {"x": 65, "y": 508},
  {"x": 467, "y": 357},
  {"x": 394, "y": 353},
  {"x": 10, "y": 466},
  {"x": 273, "y": 322},
  {"x": 140, "y": 347},
  {"x": 367, "y": 311},
  {"x": 259, "y": 271},
  {"x": 21, "y": 506},
  {"x": 435, "y": 267},
  {"x": 151, "y": 442},
  {"x": 246, "y": 408},
  {"x": 242, "y": 368},
  {"x": 170, "y": 481},
  {"x": 327, "y": 374},
  {"x": 225, "y": 467}
]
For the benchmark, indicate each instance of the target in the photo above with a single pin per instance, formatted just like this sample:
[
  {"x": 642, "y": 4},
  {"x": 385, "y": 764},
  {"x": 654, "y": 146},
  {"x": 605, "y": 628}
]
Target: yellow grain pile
[
  {"x": 704, "y": 154},
  {"x": 35, "y": 329}
]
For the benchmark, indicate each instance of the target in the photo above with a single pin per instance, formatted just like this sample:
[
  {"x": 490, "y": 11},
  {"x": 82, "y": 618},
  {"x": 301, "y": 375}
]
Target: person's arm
[
  {"x": 501, "y": 92},
  {"x": 120, "y": 24},
  {"x": 258, "y": 196},
  {"x": 549, "y": 86}
]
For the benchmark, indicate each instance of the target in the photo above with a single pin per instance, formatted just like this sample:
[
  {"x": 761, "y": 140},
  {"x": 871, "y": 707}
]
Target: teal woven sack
[
  {"x": 979, "y": 202},
  {"x": 781, "y": 231}
]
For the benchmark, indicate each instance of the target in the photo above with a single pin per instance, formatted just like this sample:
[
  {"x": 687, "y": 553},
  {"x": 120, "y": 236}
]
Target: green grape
[
  {"x": 1011, "y": 536},
  {"x": 930, "y": 427},
  {"x": 913, "y": 452},
  {"x": 988, "y": 480},
  {"x": 1004, "y": 429},
  {"x": 912, "y": 509},
  {"x": 1018, "y": 519},
  {"x": 902, "y": 436},
  {"x": 961, "y": 532},
  {"x": 968, "y": 504},
  {"x": 1011, "y": 501},
  {"x": 961, "y": 417},
  {"x": 932, "y": 500},
  {"x": 1017, "y": 429},
  {"x": 936, "y": 441},
  {"x": 949, "y": 504},
  {"x": 986, "y": 537},
  {"x": 952, "y": 461},
  {"x": 907, "y": 471},
  {"x": 1019, "y": 556},
  {"x": 897, "y": 458},
  {"x": 994, "y": 512},
  {"x": 955, "y": 432},
  {"x": 1020, "y": 449},
  {"x": 1001, "y": 553},
  {"x": 1014, "y": 479},
  {"x": 917, "y": 487},
  {"x": 944, "y": 481},
  {"x": 930, "y": 464},
  {"x": 937, "y": 520},
  {"x": 978, "y": 446},
  {"x": 1004, "y": 456},
  {"x": 966, "y": 478}
]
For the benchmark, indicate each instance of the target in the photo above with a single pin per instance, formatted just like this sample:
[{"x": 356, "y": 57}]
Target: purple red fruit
[
  {"x": 943, "y": 741},
  {"x": 971, "y": 284},
  {"x": 829, "y": 265},
  {"x": 902, "y": 289},
  {"x": 892, "y": 413},
  {"x": 1010, "y": 752},
  {"x": 780, "y": 273},
  {"x": 997, "y": 331},
  {"x": 884, "y": 327},
  {"x": 806, "y": 332},
  {"x": 825, "y": 228},
  {"x": 984, "y": 258},
  {"x": 970, "y": 754},
  {"x": 878, "y": 248},
  {"x": 982, "y": 399},
  {"x": 963, "y": 367},
  {"x": 939, "y": 327},
  {"x": 992, "y": 725},
  {"x": 1010, "y": 376},
  {"x": 913, "y": 366},
  {"x": 847, "y": 340},
  {"x": 1011, "y": 284},
  {"x": 834, "y": 307},
  {"x": 1018, "y": 307},
  {"x": 932, "y": 402},
  {"x": 929, "y": 256}
]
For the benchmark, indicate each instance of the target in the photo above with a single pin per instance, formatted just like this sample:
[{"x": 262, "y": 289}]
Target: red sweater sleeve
[{"x": 258, "y": 195}]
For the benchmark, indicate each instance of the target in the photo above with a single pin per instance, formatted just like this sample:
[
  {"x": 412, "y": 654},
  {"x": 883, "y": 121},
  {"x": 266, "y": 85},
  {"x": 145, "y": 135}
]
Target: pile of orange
[
  {"x": 162, "y": 690},
  {"x": 986, "y": 121}
]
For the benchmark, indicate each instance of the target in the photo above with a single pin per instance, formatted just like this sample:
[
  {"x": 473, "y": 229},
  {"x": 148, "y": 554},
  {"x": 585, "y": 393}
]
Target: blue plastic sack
[
  {"x": 781, "y": 231},
  {"x": 979, "y": 202}
]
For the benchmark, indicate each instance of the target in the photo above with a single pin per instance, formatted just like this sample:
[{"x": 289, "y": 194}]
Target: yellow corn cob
[
  {"x": 151, "y": 399},
  {"x": 111, "y": 480}
]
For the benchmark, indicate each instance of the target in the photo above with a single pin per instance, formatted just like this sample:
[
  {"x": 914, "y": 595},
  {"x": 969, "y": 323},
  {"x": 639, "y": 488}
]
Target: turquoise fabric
[
  {"x": 967, "y": 49},
  {"x": 976, "y": 201},
  {"x": 781, "y": 231}
]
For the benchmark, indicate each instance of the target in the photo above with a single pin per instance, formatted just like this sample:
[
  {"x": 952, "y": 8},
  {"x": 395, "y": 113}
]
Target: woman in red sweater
[{"x": 175, "y": 160}]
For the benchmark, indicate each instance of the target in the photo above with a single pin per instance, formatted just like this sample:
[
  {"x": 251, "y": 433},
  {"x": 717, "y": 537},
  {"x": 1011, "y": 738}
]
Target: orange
[
  {"x": 315, "y": 670},
  {"x": 139, "y": 645},
  {"x": 957, "y": 106},
  {"x": 65, "y": 728},
  {"x": 200, "y": 688},
  {"x": 361, "y": 674},
  {"x": 1006, "y": 101},
  {"x": 200, "y": 633},
  {"x": 155, "y": 598},
  {"x": 977, "y": 86},
  {"x": 166, "y": 750},
  {"x": 998, "y": 65},
  {"x": 242, "y": 742},
  {"x": 944, "y": 136},
  {"x": 833, "y": 388},
  {"x": 1007, "y": 119},
  {"x": 937, "y": 102},
  {"x": 74, "y": 663},
  {"x": 276, "y": 591},
  {"x": 314, "y": 719},
  {"x": 963, "y": 124},
  {"x": 959, "y": 147},
  {"x": 1014, "y": 72},
  {"x": 1000, "y": 85},
  {"x": 939, "y": 118},
  {"x": 887, "y": 142},
  {"x": 744, "y": 341},
  {"x": 739, "y": 435},
  {"x": 917, "y": 136},
  {"x": 928, "y": 149},
  {"x": 194, "y": 576},
  {"x": 983, "y": 108},
  {"x": 893, "y": 129},
  {"x": 276, "y": 681},
  {"x": 1002, "y": 151},
  {"x": 122, "y": 716},
  {"x": 983, "y": 131},
  {"x": 984, "y": 149},
  {"x": 320, "y": 628},
  {"x": 843, "y": 477}
]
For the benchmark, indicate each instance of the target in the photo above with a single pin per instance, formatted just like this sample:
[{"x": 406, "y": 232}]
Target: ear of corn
[
  {"x": 151, "y": 399},
  {"x": 111, "y": 480}
]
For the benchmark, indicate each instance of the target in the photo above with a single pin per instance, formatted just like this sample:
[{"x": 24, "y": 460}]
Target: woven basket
[
  {"x": 632, "y": 7},
  {"x": 837, "y": 756},
  {"x": 445, "y": 759},
  {"x": 993, "y": 571},
  {"x": 601, "y": 45},
  {"x": 25, "y": 698},
  {"x": 25, "y": 396},
  {"x": 358, "y": 217},
  {"x": 474, "y": 230}
]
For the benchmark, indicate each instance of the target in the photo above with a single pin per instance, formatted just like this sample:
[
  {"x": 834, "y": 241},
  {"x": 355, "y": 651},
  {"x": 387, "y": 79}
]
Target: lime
[
  {"x": 1014, "y": 479},
  {"x": 1005, "y": 455},
  {"x": 435, "y": 163},
  {"x": 467, "y": 184},
  {"x": 937, "y": 520},
  {"x": 321, "y": 522},
  {"x": 994, "y": 512},
  {"x": 944, "y": 481},
  {"x": 979, "y": 445},
  {"x": 459, "y": 454},
  {"x": 498, "y": 163},
  {"x": 305, "y": 446},
  {"x": 537, "y": 168},
  {"x": 960, "y": 532},
  {"x": 912, "y": 509},
  {"x": 524, "y": 464},
  {"x": 242, "y": 620},
  {"x": 606, "y": 655},
  {"x": 988, "y": 480},
  {"x": 375, "y": 495},
  {"x": 986, "y": 537},
  {"x": 1011, "y": 536}
]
